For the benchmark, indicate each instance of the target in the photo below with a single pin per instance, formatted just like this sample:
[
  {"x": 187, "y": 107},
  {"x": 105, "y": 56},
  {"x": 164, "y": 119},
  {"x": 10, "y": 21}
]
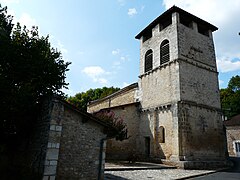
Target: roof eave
[{"x": 170, "y": 11}]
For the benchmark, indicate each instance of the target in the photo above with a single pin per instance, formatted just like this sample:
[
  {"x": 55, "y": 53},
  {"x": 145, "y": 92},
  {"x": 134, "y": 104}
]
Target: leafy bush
[{"x": 119, "y": 128}]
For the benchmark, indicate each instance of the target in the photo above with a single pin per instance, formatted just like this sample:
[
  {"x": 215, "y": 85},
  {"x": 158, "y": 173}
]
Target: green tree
[
  {"x": 234, "y": 83},
  {"x": 230, "y": 97},
  {"x": 30, "y": 69},
  {"x": 81, "y": 100}
]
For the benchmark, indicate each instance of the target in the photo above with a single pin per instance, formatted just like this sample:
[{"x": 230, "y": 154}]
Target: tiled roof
[
  {"x": 234, "y": 121},
  {"x": 86, "y": 114},
  {"x": 127, "y": 88},
  {"x": 180, "y": 11}
]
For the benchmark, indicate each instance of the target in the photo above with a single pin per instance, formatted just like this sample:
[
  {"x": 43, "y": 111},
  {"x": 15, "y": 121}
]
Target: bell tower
[{"x": 179, "y": 91}]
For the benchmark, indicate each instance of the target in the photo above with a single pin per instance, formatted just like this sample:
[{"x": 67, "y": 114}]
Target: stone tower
[{"x": 180, "y": 117}]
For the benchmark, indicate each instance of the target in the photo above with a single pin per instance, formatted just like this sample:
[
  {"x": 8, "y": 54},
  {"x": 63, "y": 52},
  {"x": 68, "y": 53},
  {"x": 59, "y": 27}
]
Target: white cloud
[
  {"x": 69, "y": 91},
  {"x": 27, "y": 20},
  {"x": 125, "y": 84},
  {"x": 11, "y": 12},
  {"x": 226, "y": 65},
  {"x": 56, "y": 43},
  {"x": 96, "y": 73},
  {"x": 93, "y": 71},
  {"x": 121, "y": 2},
  {"x": 102, "y": 81},
  {"x": 222, "y": 14},
  {"x": 6, "y": 2},
  {"x": 216, "y": 11},
  {"x": 61, "y": 47},
  {"x": 116, "y": 63},
  {"x": 221, "y": 82},
  {"x": 123, "y": 58},
  {"x": 115, "y": 52},
  {"x": 132, "y": 11}
]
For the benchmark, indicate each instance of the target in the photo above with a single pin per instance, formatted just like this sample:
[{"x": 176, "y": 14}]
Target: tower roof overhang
[{"x": 182, "y": 12}]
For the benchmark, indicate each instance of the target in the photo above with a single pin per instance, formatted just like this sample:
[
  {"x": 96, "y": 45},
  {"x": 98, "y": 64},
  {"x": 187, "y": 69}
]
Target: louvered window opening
[
  {"x": 148, "y": 61},
  {"x": 147, "y": 35},
  {"x": 165, "y": 23},
  {"x": 165, "y": 57}
]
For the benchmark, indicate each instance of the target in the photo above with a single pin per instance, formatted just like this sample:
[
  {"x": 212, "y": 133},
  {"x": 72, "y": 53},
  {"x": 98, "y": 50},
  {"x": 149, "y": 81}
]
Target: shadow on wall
[
  {"x": 145, "y": 135},
  {"x": 152, "y": 134}
]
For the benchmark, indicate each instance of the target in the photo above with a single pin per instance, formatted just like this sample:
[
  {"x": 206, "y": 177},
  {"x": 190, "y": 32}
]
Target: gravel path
[{"x": 158, "y": 174}]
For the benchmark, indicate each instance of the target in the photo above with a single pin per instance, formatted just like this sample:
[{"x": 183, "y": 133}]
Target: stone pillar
[
  {"x": 175, "y": 18},
  {"x": 210, "y": 34},
  {"x": 51, "y": 161},
  {"x": 176, "y": 136},
  {"x": 195, "y": 26},
  {"x": 156, "y": 132},
  {"x": 103, "y": 159}
]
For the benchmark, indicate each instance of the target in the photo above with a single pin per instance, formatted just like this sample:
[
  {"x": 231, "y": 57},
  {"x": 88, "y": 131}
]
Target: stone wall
[
  {"x": 233, "y": 134},
  {"x": 199, "y": 84},
  {"x": 197, "y": 67},
  {"x": 201, "y": 133},
  {"x": 126, "y": 149},
  {"x": 160, "y": 87},
  {"x": 151, "y": 122},
  {"x": 67, "y": 143},
  {"x": 193, "y": 45},
  {"x": 79, "y": 150}
]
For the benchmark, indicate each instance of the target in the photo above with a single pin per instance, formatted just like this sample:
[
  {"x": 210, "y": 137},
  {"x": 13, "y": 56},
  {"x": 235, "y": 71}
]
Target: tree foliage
[
  {"x": 230, "y": 97},
  {"x": 81, "y": 100},
  {"x": 30, "y": 69},
  {"x": 118, "y": 128}
]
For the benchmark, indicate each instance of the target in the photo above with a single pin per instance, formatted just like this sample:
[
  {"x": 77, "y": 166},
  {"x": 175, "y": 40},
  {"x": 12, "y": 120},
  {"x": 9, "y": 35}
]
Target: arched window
[
  {"x": 161, "y": 135},
  {"x": 164, "y": 52},
  {"x": 148, "y": 60}
]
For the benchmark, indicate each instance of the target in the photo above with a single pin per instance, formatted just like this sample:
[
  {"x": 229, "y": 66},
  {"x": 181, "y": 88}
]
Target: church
[{"x": 173, "y": 112}]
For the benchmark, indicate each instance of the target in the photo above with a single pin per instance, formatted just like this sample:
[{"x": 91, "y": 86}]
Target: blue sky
[{"x": 97, "y": 36}]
